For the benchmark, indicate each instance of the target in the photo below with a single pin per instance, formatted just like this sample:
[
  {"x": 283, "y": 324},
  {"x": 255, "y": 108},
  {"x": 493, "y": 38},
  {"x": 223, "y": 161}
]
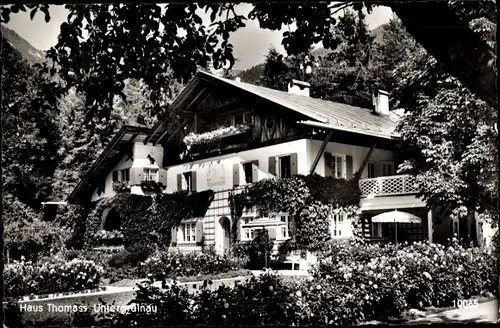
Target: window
[
  {"x": 243, "y": 118},
  {"x": 125, "y": 175},
  {"x": 337, "y": 224},
  {"x": 115, "y": 176},
  {"x": 338, "y": 166},
  {"x": 387, "y": 169},
  {"x": 285, "y": 167},
  {"x": 248, "y": 169},
  {"x": 151, "y": 174},
  {"x": 371, "y": 170},
  {"x": 188, "y": 232}
]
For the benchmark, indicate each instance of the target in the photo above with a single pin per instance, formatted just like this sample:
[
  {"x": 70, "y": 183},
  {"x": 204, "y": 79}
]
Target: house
[{"x": 229, "y": 134}]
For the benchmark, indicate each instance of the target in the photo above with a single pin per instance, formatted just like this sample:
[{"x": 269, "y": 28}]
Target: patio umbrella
[{"x": 396, "y": 217}]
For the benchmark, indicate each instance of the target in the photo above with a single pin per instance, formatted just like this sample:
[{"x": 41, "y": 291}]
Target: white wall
[
  {"x": 216, "y": 173},
  {"x": 140, "y": 153},
  {"x": 358, "y": 153}
]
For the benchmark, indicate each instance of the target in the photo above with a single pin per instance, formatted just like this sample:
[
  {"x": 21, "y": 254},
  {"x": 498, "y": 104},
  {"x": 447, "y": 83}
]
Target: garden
[{"x": 353, "y": 281}]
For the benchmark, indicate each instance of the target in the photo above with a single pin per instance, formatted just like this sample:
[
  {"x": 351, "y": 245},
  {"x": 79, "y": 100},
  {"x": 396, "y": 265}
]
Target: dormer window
[{"x": 151, "y": 175}]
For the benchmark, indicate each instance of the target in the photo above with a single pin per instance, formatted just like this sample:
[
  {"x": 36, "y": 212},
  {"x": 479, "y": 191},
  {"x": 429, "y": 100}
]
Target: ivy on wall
[
  {"x": 147, "y": 220},
  {"x": 309, "y": 200}
]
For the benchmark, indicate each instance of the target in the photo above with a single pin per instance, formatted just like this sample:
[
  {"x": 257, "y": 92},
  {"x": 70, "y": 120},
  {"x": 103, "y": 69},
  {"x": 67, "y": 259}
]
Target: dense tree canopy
[{"x": 143, "y": 41}]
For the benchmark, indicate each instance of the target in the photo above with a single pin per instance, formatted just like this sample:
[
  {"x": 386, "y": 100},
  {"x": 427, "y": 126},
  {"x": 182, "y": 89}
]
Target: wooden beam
[
  {"x": 196, "y": 122},
  {"x": 222, "y": 108},
  {"x": 365, "y": 161},
  {"x": 320, "y": 153},
  {"x": 185, "y": 113},
  {"x": 175, "y": 132},
  {"x": 200, "y": 96}
]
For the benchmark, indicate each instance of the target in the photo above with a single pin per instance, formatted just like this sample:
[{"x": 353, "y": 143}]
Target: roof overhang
[
  {"x": 392, "y": 136},
  {"x": 110, "y": 156}
]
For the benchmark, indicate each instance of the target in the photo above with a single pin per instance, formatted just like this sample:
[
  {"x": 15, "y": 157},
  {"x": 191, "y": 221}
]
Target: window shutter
[
  {"x": 179, "y": 182},
  {"x": 328, "y": 165},
  {"x": 162, "y": 175},
  {"x": 236, "y": 174},
  {"x": 293, "y": 164},
  {"x": 173, "y": 238},
  {"x": 255, "y": 171},
  {"x": 136, "y": 174},
  {"x": 348, "y": 165},
  {"x": 193, "y": 180},
  {"x": 115, "y": 176},
  {"x": 272, "y": 165},
  {"x": 199, "y": 231}
]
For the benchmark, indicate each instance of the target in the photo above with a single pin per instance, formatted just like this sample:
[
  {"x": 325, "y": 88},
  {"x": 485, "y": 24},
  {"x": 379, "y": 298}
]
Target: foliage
[
  {"x": 294, "y": 195},
  {"x": 148, "y": 220},
  {"x": 53, "y": 275},
  {"x": 313, "y": 226},
  {"x": 449, "y": 137},
  {"x": 409, "y": 276},
  {"x": 252, "y": 75},
  {"x": 130, "y": 257},
  {"x": 155, "y": 51},
  {"x": 171, "y": 264},
  {"x": 34, "y": 239},
  {"x": 259, "y": 250},
  {"x": 193, "y": 138},
  {"x": 30, "y": 135},
  {"x": 121, "y": 186},
  {"x": 113, "y": 237}
]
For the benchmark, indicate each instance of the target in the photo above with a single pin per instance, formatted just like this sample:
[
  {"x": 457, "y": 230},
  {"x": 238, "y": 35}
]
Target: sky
[{"x": 251, "y": 44}]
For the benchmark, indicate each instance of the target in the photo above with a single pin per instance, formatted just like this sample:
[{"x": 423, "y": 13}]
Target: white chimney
[
  {"x": 237, "y": 79},
  {"x": 299, "y": 88},
  {"x": 381, "y": 102}
]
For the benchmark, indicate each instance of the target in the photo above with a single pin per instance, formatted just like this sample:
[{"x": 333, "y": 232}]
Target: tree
[
  {"x": 145, "y": 46},
  {"x": 30, "y": 137},
  {"x": 348, "y": 74},
  {"x": 448, "y": 133},
  {"x": 276, "y": 73}
]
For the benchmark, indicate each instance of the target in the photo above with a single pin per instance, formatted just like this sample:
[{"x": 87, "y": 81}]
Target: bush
[
  {"x": 400, "y": 277},
  {"x": 34, "y": 239},
  {"x": 176, "y": 264},
  {"x": 130, "y": 257},
  {"x": 55, "y": 275},
  {"x": 259, "y": 251}
]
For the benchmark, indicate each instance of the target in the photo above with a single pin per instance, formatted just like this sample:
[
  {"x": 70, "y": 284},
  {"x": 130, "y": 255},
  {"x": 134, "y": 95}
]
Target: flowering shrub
[
  {"x": 175, "y": 264},
  {"x": 193, "y": 138},
  {"x": 108, "y": 235},
  {"x": 53, "y": 275}
]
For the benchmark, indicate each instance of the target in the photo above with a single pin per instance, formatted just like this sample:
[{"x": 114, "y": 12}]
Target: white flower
[
  {"x": 375, "y": 286},
  {"x": 299, "y": 293}
]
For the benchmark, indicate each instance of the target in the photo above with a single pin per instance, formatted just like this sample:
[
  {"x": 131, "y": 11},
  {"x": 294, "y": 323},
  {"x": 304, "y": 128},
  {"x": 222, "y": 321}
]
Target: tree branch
[{"x": 449, "y": 40}]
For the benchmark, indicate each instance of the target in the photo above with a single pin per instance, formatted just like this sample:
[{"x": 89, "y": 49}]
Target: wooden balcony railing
[{"x": 388, "y": 186}]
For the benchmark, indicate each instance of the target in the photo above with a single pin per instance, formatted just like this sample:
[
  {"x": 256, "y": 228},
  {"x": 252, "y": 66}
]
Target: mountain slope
[{"x": 27, "y": 51}]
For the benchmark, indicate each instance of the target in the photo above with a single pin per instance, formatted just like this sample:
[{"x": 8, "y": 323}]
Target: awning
[{"x": 396, "y": 217}]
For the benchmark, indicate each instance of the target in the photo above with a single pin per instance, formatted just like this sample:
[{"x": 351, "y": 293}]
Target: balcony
[{"x": 388, "y": 186}]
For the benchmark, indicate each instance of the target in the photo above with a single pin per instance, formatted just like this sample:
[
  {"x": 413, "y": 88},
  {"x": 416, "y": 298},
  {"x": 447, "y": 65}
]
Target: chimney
[
  {"x": 237, "y": 79},
  {"x": 381, "y": 102},
  {"x": 300, "y": 88}
]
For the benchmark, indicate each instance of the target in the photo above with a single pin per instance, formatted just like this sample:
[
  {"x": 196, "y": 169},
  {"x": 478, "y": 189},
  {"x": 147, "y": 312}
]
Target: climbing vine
[
  {"x": 148, "y": 220},
  {"x": 309, "y": 200}
]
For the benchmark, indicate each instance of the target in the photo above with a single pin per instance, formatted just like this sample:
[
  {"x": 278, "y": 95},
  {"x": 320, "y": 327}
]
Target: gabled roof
[
  {"x": 107, "y": 160},
  {"x": 334, "y": 115},
  {"x": 327, "y": 114}
]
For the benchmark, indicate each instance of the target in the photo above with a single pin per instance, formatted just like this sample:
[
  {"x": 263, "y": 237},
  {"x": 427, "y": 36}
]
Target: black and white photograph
[{"x": 249, "y": 164}]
